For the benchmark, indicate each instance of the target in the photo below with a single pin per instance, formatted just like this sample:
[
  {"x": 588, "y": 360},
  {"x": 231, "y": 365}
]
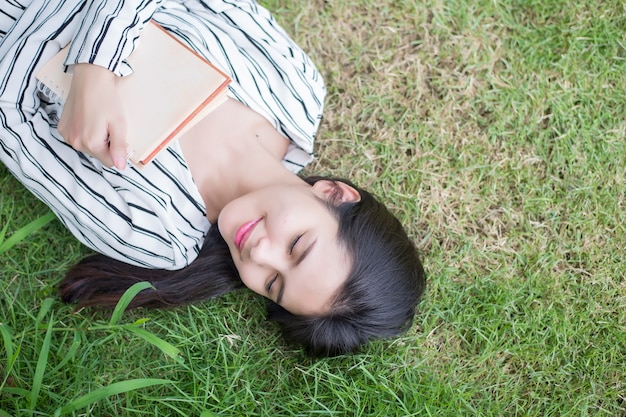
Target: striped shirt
[{"x": 154, "y": 217}]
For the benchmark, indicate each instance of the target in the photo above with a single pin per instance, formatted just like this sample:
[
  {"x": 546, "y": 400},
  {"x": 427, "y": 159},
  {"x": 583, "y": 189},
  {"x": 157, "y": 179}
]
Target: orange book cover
[{"x": 170, "y": 90}]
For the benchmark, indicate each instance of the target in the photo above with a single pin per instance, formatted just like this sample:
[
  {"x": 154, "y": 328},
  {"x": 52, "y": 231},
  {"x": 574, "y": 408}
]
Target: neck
[
  {"x": 232, "y": 152},
  {"x": 238, "y": 170}
]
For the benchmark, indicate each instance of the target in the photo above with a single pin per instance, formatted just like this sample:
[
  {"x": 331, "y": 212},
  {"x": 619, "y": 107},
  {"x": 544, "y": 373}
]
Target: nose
[{"x": 266, "y": 254}]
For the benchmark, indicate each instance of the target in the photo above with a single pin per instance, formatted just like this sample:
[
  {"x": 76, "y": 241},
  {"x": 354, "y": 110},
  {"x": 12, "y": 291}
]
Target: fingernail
[{"x": 120, "y": 163}]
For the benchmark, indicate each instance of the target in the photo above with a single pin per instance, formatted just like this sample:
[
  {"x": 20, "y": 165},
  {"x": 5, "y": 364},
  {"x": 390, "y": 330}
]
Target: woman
[{"x": 337, "y": 267}]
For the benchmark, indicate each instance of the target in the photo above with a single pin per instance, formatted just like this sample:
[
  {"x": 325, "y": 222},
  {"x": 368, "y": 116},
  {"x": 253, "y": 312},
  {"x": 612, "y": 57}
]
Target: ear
[{"x": 336, "y": 192}]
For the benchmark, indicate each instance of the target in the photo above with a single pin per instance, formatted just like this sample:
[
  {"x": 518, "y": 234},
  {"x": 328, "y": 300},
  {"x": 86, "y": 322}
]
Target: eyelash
[
  {"x": 272, "y": 281},
  {"x": 294, "y": 243},
  {"x": 291, "y": 247}
]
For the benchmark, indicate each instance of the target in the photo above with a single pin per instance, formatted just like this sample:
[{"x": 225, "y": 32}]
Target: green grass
[{"x": 496, "y": 131}]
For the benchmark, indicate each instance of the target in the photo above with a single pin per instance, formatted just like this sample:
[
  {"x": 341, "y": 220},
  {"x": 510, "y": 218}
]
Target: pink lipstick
[{"x": 244, "y": 231}]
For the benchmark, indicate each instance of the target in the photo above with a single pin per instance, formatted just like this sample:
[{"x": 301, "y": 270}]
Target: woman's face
[{"x": 283, "y": 241}]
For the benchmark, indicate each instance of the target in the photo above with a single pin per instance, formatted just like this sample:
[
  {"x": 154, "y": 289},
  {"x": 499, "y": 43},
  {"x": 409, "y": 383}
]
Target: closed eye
[
  {"x": 268, "y": 287},
  {"x": 294, "y": 243}
]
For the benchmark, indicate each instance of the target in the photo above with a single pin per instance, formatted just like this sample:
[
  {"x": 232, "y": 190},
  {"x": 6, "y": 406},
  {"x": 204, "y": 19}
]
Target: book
[{"x": 170, "y": 90}]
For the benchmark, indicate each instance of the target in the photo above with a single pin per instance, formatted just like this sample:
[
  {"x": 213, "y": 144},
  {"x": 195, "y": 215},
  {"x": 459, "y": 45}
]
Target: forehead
[{"x": 311, "y": 288}]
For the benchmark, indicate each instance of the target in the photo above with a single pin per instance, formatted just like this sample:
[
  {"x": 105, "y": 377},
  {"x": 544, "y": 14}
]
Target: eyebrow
[
  {"x": 301, "y": 258},
  {"x": 279, "y": 297}
]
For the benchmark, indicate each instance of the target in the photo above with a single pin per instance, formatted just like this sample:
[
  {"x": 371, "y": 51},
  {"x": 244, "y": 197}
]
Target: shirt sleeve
[
  {"x": 153, "y": 217},
  {"x": 109, "y": 32}
]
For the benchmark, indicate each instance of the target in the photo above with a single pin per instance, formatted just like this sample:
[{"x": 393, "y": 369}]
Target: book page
[{"x": 170, "y": 86}]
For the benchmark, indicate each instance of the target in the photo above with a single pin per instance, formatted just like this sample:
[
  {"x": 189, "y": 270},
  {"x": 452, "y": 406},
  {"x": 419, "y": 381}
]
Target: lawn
[{"x": 495, "y": 129}]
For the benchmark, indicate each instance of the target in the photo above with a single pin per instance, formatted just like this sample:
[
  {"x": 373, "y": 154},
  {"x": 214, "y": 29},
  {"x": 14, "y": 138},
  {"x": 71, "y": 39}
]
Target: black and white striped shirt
[{"x": 154, "y": 217}]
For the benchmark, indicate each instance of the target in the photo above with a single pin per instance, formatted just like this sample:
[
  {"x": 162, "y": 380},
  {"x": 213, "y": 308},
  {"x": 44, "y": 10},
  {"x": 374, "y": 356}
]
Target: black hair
[
  {"x": 381, "y": 292},
  {"x": 377, "y": 300}
]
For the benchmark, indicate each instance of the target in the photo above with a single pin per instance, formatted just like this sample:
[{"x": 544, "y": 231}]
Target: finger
[
  {"x": 118, "y": 146},
  {"x": 99, "y": 149}
]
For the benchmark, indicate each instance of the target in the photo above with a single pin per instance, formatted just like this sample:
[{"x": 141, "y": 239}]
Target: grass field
[{"x": 495, "y": 129}]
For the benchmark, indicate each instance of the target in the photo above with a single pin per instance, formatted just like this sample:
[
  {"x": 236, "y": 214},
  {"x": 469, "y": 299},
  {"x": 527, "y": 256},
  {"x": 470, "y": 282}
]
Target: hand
[{"x": 93, "y": 119}]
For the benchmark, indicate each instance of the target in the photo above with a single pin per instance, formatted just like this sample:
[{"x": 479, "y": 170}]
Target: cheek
[
  {"x": 226, "y": 223},
  {"x": 253, "y": 278}
]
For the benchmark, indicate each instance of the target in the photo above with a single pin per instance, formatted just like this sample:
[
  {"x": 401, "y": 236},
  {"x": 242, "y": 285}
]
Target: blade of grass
[
  {"x": 41, "y": 365},
  {"x": 19, "y": 235},
  {"x": 76, "y": 342},
  {"x": 3, "y": 232},
  {"x": 126, "y": 299},
  {"x": 5, "y": 228},
  {"x": 5, "y": 413},
  {"x": 11, "y": 362},
  {"x": 104, "y": 392},
  {"x": 7, "y": 338},
  {"x": 45, "y": 307},
  {"x": 165, "y": 347},
  {"x": 20, "y": 392}
]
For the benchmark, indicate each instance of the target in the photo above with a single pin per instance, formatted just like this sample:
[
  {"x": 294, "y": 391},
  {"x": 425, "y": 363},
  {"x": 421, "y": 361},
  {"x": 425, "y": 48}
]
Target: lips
[{"x": 244, "y": 232}]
